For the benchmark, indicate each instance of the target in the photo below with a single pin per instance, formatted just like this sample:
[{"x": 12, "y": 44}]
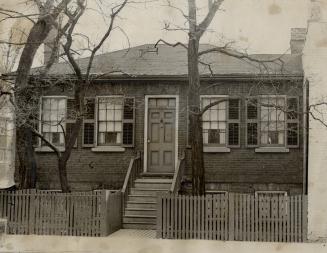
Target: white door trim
[{"x": 146, "y": 113}]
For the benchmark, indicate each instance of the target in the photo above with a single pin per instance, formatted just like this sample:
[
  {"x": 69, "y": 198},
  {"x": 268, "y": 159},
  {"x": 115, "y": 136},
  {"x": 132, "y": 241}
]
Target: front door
[{"x": 161, "y": 134}]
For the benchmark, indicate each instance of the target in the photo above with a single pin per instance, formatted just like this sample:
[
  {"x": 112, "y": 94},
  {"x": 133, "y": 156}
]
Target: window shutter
[
  {"x": 128, "y": 121},
  {"x": 234, "y": 122},
  {"x": 292, "y": 122},
  {"x": 252, "y": 122},
  {"x": 89, "y": 123}
]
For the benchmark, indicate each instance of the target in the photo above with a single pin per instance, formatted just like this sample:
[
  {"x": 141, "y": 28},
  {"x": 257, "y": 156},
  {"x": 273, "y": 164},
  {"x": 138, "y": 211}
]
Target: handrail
[
  {"x": 134, "y": 169},
  {"x": 175, "y": 186}
]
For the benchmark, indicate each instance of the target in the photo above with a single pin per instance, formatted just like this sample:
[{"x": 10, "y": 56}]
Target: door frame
[{"x": 146, "y": 114}]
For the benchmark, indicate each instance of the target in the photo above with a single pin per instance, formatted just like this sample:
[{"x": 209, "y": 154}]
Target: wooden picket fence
[
  {"x": 239, "y": 217},
  {"x": 96, "y": 213}
]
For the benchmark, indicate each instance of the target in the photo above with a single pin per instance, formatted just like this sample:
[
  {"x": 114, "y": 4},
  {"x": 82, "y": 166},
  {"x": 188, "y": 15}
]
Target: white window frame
[
  {"x": 216, "y": 148},
  {"x": 8, "y": 148},
  {"x": 106, "y": 148},
  {"x": 260, "y": 121},
  {"x": 273, "y": 148},
  {"x": 41, "y": 148}
]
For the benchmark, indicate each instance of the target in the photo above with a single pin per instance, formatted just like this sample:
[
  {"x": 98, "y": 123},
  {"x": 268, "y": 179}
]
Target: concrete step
[
  {"x": 140, "y": 211},
  {"x": 139, "y": 225},
  {"x": 139, "y": 218},
  {"x": 153, "y": 180},
  {"x": 142, "y": 198},
  {"x": 157, "y": 175},
  {"x": 153, "y": 183},
  {"x": 141, "y": 204},
  {"x": 148, "y": 191}
]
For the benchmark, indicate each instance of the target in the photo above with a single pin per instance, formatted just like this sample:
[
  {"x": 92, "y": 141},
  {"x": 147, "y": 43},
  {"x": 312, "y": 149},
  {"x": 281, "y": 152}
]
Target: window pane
[
  {"x": 110, "y": 115},
  {"x": 222, "y": 137},
  {"x": 213, "y": 136},
  {"x": 102, "y": 126},
  {"x": 222, "y": 125},
  {"x": 214, "y": 115},
  {"x": 214, "y": 125},
  {"x": 206, "y": 125},
  {"x": 205, "y": 137},
  {"x": 110, "y": 126},
  {"x": 205, "y": 116},
  {"x": 118, "y": 114},
  {"x": 264, "y": 137},
  {"x": 118, "y": 126},
  {"x": 281, "y": 137},
  {"x": 102, "y": 114}
]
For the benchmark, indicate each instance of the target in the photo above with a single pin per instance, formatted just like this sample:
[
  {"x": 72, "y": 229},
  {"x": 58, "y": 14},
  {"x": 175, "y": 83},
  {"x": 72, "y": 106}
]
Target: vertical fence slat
[{"x": 304, "y": 218}]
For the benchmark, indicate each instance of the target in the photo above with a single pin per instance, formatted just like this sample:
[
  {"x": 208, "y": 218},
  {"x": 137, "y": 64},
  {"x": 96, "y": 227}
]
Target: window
[
  {"x": 88, "y": 125},
  {"x": 110, "y": 125},
  {"x": 4, "y": 145},
  {"x": 220, "y": 122},
  {"x": 115, "y": 121},
  {"x": 272, "y": 121},
  {"x": 53, "y": 116}
]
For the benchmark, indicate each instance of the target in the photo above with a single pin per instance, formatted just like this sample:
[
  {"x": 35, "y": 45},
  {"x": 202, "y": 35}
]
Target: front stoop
[{"x": 140, "y": 209}]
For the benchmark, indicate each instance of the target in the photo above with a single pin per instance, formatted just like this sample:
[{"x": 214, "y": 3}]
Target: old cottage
[{"x": 137, "y": 104}]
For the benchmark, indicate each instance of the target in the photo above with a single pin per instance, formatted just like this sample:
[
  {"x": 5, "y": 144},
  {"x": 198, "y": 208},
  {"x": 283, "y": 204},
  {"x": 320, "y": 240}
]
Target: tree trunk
[
  {"x": 30, "y": 161},
  {"x": 62, "y": 167},
  {"x": 198, "y": 180},
  {"x": 36, "y": 36}
]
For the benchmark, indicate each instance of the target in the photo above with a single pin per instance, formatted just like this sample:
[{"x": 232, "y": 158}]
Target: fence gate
[{"x": 240, "y": 217}]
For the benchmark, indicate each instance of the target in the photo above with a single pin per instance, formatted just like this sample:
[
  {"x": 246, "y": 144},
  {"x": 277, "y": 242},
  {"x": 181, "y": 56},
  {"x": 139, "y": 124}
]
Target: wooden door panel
[{"x": 161, "y": 136}]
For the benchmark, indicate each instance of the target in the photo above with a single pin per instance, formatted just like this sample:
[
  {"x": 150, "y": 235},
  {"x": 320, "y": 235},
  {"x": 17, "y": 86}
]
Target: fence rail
[
  {"x": 54, "y": 213},
  {"x": 238, "y": 217}
]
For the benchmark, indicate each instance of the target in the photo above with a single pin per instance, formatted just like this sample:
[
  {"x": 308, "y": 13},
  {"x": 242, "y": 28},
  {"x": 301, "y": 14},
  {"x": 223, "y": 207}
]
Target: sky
[{"x": 254, "y": 25}]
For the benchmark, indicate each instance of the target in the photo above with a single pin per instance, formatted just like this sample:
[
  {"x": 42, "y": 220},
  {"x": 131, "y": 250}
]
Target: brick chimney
[{"x": 298, "y": 36}]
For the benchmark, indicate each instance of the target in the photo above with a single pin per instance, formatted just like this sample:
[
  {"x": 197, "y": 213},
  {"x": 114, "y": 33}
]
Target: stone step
[
  {"x": 140, "y": 211},
  {"x": 157, "y": 175},
  {"x": 141, "y": 204},
  {"x": 153, "y": 183},
  {"x": 153, "y": 180},
  {"x": 139, "y": 225},
  {"x": 142, "y": 198},
  {"x": 151, "y": 219},
  {"x": 147, "y": 191}
]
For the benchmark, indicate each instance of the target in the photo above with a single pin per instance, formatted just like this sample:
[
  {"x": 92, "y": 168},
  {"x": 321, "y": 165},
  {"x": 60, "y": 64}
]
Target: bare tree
[
  {"x": 195, "y": 31},
  {"x": 27, "y": 90}
]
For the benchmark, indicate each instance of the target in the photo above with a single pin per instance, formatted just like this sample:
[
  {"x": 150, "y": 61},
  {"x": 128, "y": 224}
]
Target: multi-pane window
[
  {"x": 272, "y": 121},
  {"x": 110, "y": 120},
  {"x": 53, "y": 119},
  {"x": 214, "y": 121},
  {"x": 3, "y": 139}
]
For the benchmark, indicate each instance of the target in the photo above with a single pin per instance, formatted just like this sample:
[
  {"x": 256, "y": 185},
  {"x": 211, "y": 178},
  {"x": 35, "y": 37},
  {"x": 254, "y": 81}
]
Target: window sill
[
  {"x": 108, "y": 149},
  {"x": 272, "y": 150},
  {"x": 48, "y": 149},
  {"x": 216, "y": 150}
]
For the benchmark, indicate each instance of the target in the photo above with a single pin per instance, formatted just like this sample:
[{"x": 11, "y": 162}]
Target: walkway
[{"x": 129, "y": 241}]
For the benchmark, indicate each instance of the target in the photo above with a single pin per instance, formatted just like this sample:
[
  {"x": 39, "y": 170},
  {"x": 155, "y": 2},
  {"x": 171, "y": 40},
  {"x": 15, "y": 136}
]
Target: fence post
[
  {"x": 304, "y": 218},
  {"x": 104, "y": 220},
  {"x": 32, "y": 214},
  {"x": 231, "y": 216},
  {"x": 159, "y": 215}
]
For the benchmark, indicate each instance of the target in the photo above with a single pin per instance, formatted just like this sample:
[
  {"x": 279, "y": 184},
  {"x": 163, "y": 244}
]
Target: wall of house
[
  {"x": 314, "y": 64},
  {"x": 241, "y": 170}
]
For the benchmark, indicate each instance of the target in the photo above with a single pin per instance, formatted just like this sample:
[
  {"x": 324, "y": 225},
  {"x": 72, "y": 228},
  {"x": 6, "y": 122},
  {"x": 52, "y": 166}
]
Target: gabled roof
[{"x": 148, "y": 61}]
